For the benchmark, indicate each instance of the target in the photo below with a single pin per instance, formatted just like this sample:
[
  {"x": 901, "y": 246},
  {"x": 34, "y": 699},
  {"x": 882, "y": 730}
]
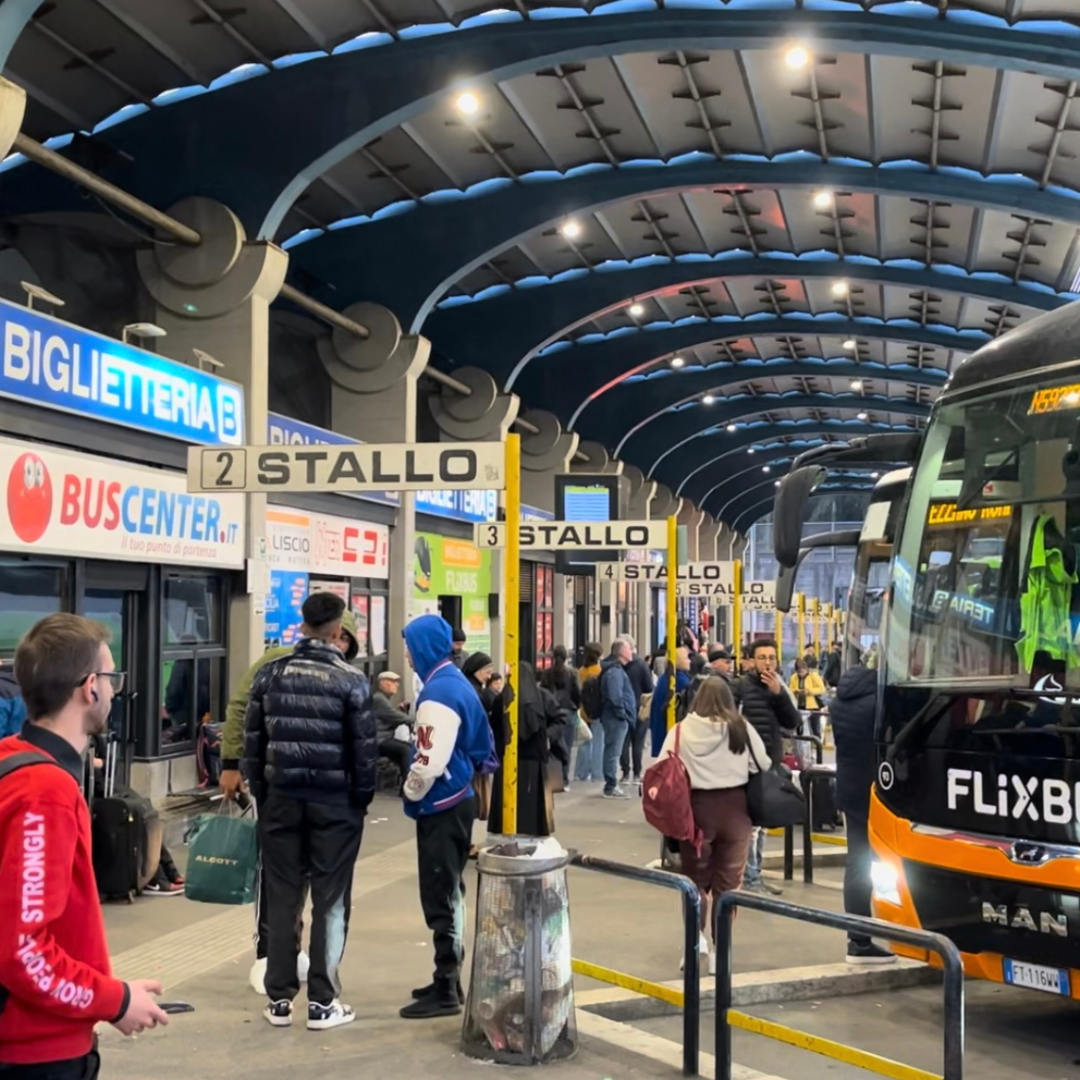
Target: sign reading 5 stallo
[
  {"x": 348, "y": 467},
  {"x": 756, "y": 595},
  {"x": 576, "y": 535}
]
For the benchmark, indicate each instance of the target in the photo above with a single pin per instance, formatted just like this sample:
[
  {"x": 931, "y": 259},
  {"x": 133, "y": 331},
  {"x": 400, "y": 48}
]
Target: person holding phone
[
  {"x": 54, "y": 959},
  {"x": 767, "y": 705}
]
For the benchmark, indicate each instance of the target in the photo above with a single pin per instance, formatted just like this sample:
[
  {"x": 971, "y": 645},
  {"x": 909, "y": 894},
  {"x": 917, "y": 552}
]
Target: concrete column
[
  {"x": 690, "y": 517},
  {"x": 543, "y": 457},
  {"x": 665, "y": 503},
  {"x": 216, "y": 297},
  {"x": 641, "y": 491},
  {"x": 373, "y": 398},
  {"x": 12, "y": 109},
  {"x": 598, "y": 460},
  {"x": 708, "y": 535},
  {"x": 486, "y": 415}
]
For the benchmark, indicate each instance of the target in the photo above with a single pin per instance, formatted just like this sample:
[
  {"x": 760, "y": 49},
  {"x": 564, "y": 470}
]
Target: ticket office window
[
  {"x": 193, "y": 657},
  {"x": 370, "y": 604}
]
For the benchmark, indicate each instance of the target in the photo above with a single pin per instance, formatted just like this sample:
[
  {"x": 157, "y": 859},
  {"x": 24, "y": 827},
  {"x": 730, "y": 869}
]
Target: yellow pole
[
  {"x": 800, "y": 614},
  {"x": 779, "y": 639},
  {"x": 672, "y": 577},
  {"x": 511, "y": 618},
  {"x": 736, "y": 612},
  {"x": 817, "y": 627}
]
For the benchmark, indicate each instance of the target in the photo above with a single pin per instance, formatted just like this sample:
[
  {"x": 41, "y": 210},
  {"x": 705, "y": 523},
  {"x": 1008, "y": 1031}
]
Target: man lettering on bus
[{"x": 54, "y": 959}]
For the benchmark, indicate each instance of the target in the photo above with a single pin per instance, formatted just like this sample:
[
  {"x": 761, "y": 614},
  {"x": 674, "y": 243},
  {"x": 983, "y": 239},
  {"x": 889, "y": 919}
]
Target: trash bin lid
[{"x": 524, "y": 856}]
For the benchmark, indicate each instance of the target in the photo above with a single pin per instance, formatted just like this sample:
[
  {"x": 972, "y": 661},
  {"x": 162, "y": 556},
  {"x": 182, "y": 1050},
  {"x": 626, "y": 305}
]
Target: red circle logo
[{"x": 29, "y": 498}]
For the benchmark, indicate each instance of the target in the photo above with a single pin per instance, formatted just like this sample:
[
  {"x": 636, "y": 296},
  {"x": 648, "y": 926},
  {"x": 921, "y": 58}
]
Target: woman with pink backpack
[{"x": 718, "y": 750}]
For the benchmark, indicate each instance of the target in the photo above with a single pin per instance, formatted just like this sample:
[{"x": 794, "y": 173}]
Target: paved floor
[{"x": 203, "y": 954}]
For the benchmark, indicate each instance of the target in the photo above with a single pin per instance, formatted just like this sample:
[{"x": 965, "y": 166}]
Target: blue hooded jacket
[
  {"x": 658, "y": 708},
  {"x": 453, "y": 735},
  {"x": 12, "y": 709}
]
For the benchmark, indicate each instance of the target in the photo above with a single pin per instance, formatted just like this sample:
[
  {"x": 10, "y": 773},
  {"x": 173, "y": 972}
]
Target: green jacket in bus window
[{"x": 1046, "y": 600}]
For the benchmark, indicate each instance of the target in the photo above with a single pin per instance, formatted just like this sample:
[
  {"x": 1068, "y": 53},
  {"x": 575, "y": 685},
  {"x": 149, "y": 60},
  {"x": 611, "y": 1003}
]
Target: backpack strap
[{"x": 20, "y": 761}]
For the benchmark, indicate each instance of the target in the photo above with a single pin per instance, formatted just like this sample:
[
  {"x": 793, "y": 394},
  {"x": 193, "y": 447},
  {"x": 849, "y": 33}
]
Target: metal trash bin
[{"x": 520, "y": 1009}]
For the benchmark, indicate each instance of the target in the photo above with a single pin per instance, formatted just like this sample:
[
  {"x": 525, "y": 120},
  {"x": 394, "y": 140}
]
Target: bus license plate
[{"x": 1036, "y": 977}]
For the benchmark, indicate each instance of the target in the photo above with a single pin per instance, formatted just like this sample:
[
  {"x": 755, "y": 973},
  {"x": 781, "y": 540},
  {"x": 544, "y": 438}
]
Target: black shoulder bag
[{"x": 772, "y": 796}]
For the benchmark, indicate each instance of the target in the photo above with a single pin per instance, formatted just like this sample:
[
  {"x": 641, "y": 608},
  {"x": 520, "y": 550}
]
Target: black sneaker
[
  {"x": 324, "y": 1017},
  {"x": 427, "y": 991},
  {"x": 442, "y": 1001},
  {"x": 279, "y": 1013},
  {"x": 868, "y": 955}
]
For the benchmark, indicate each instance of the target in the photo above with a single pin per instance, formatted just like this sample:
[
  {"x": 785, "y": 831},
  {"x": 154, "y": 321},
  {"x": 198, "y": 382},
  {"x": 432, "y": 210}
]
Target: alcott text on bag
[{"x": 665, "y": 798}]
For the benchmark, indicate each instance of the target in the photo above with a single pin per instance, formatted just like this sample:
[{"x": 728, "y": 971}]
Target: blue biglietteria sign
[{"x": 56, "y": 365}]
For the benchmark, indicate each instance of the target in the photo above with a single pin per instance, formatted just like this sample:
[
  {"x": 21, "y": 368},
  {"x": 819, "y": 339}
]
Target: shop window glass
[
  {"x": 27, "y": 593},
  {"x": 191, "y": 611},
  {"x": 193, "y": 692}
]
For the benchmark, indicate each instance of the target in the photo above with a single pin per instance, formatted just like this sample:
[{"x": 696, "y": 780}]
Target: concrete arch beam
[
  {"x": 460, "y": 234},
  {"x": 681, "y": 430},
  {"x": 592, "y": 367},
  {"x": 631, "y": 407},
  {"x": 524, "y": 321},
  {"x": 711, "y": 450}
]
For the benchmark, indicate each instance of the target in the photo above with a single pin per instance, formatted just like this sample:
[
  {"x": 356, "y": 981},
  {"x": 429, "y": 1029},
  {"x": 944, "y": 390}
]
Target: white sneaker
[
  {"x": 257, "y": 978},
  {"x": 324, "y": 1017},
  {"x": 712, "y": 961},
  {"x": 279, "y": 1013}
]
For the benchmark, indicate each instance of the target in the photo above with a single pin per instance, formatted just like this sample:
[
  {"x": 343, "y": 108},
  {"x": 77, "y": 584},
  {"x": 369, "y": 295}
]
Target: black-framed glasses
[{"x": 117, "y": 678}]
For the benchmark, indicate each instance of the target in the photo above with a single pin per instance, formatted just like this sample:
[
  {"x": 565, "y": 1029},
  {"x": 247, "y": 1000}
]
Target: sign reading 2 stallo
[
  {"x": 348, "y": 467},
  {"x": 576, "y": 535}
]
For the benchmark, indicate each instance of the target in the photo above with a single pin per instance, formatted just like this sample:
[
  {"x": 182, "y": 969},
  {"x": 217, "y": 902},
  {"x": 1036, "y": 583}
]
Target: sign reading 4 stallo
[
  {"x": 576, "y": 535},
  {"x": 348, "y": 467},
  {"x": 714, "y": 573}
]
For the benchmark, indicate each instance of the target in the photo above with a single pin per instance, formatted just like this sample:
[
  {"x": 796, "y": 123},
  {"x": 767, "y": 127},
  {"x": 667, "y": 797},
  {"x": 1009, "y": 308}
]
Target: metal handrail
[
  {"x": 851, "y": 924},
  {"x": 807, "y": 778},
  {"x": 692, "y": 931},
  {"x": 789, "y": 831}
]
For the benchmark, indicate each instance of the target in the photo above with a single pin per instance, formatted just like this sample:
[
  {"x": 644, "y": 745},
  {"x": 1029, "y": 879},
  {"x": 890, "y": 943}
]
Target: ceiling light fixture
[
  {"x": 141, "y": 330},
  {"x": 751, "y": 450},
  {"x": 468, "y": 104},
  {"x": 571, "y": 229},
  {"x": 822, "y": 200},
  {"x": 851, "y": 344},
  {"x": 797, "y": 57},
  {"x": 765, "y": 468},
  {"x": 874, "y": 475},
  {"x": 708, "y": 399},
  {"x": 862, "y": 416},
  {"x": 777, "y": 483},
  {"x": 840, "y": 288},
  {"x": 677, "y": 361},
  {"x": 637, "y": 310},
  {"x": 732, "y": 427},
  {"x": 856, "y": 384}
]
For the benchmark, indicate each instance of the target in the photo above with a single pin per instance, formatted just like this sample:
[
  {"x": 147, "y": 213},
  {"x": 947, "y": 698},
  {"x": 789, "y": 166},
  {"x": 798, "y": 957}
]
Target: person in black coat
[
  {"x": 562, "y": 681},
  {"x": 766, "y": 704},
  {"x": 310, "y": 749},
  {"x": 852, "y": 713}
]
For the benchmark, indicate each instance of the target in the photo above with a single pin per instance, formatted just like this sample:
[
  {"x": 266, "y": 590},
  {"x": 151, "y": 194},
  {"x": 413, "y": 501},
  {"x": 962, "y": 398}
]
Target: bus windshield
[{"x": 986, "y": 578}]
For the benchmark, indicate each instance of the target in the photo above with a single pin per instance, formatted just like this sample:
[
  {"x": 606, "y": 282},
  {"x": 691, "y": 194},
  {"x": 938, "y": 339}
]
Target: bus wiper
[{"x": 930, "y": 711}]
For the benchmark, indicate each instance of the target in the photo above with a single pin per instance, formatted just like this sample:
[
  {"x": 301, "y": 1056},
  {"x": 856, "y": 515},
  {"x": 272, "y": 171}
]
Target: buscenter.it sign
[
  {"x": 348, "y": 467},
  {"x": 576, "y": 535}
]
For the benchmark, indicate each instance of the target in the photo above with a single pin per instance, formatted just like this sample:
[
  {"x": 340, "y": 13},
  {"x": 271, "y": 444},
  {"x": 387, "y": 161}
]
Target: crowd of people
[{"x": 305, "y": 731}]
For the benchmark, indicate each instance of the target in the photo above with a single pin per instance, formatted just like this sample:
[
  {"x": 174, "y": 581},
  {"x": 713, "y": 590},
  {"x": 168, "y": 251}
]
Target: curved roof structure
[{"x": 691, "y": 229}]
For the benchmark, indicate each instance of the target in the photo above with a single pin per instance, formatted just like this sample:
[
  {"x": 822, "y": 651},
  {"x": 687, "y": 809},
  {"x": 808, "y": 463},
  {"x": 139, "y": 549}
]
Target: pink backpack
[{"x": 666, "y": 798}]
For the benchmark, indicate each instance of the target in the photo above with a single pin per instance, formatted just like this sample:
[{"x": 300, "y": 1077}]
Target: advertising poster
[
  {"x": 288, "y": 591},
  {"x": 443, "y": 566}
]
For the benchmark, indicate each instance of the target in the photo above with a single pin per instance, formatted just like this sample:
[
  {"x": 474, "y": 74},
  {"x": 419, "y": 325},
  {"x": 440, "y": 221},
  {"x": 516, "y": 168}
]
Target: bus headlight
[{"x": 885, "y": 879}]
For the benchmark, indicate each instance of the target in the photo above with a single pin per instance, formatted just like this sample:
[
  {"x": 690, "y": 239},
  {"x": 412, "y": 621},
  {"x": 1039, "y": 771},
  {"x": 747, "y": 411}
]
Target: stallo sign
[
  {"x": 62, "y": 503},
  {"x": 298, "y": 540},
  {"x": 56, "y": 365},
  {"x": 713, "y": 573},
  {"x": 576, "y": 535}
]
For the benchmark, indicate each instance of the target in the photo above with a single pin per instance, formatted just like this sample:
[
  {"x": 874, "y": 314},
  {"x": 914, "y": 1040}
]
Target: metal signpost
[
  {"x": 511, "y": 619},
  {"x": 736, "y": 614},
  {"x": 672, "y": 589},
  {"x": 800, "y": 615}
]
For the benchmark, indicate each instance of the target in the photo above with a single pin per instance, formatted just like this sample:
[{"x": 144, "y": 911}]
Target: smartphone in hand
[{"x": 173, "y": 1008}]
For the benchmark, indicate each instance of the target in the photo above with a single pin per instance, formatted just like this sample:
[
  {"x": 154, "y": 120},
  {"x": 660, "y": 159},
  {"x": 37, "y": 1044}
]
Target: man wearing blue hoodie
[{"x": 453, "y": 740}]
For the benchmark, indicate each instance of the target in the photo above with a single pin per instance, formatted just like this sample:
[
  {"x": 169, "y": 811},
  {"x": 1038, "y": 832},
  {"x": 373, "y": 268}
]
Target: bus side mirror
[{"x": 789, "y": 512}]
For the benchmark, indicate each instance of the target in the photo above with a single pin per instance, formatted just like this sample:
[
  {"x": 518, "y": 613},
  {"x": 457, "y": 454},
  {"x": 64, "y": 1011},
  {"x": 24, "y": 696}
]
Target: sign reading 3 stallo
[
  {"x": 348, "y": 467},
  {"x": 715, "y": 573},
  {"x": 576, "y": 535}
]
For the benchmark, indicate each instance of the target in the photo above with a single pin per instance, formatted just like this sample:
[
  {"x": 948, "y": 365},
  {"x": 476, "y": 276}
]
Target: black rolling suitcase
[
  {"x": 126, "y": 834},
  {"x": 824, "y": 813}
]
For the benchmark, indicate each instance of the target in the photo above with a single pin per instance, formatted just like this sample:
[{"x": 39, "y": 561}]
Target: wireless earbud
[{"x": 93, "y": 694}]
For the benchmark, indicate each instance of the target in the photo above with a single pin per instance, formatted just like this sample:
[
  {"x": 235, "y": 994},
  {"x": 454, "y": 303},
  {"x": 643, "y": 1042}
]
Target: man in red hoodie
[{"x": 55, "y": 978}]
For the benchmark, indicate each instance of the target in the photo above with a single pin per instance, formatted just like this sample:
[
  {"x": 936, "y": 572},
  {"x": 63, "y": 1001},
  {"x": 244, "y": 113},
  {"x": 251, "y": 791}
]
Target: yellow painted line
[
  {"x": 861, "y": 1059},
  {"x": 817, "y": 838},
  {"x": 628, "y": 982}
]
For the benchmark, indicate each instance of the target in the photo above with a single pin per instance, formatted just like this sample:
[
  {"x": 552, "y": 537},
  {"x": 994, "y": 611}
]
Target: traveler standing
[
  {"x": 852, "y": 713},
  {"x": 561, "y": 680},
  {"x": 618, "y": 713},
  {"x": 641, "y": 681},
  {"x": 310, "y": 748},
  {"x": 720, "y": 751},
  {"x": 590, "y": 755},
  {"x": 389, "y": 720},
  {"x": 834, "y": 662},
  {"x": 231, "y": 781},
  {"x": 720, "y": 663},
  {"x": 807, "y": 686},
  {"x": 453, "y": 740},
  {"x": 460, "y": 655},
  {"x": 52, "y": 936},
  {"x": 767, "y": 705}
]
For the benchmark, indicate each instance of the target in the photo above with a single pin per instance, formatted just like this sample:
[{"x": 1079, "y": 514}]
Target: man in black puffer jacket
[
  {"x": 765, "y": 703},
  {"x": 310, "y": 748},
  {"x": 852, "y": 716}
]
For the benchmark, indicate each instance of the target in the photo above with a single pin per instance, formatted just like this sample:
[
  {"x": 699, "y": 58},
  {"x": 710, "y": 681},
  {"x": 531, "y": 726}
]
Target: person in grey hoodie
[{"x": 618, "y": 714}]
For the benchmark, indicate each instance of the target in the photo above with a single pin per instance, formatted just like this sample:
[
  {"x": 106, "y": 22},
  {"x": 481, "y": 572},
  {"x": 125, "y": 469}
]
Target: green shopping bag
[{"x": 224, "y": 854}]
